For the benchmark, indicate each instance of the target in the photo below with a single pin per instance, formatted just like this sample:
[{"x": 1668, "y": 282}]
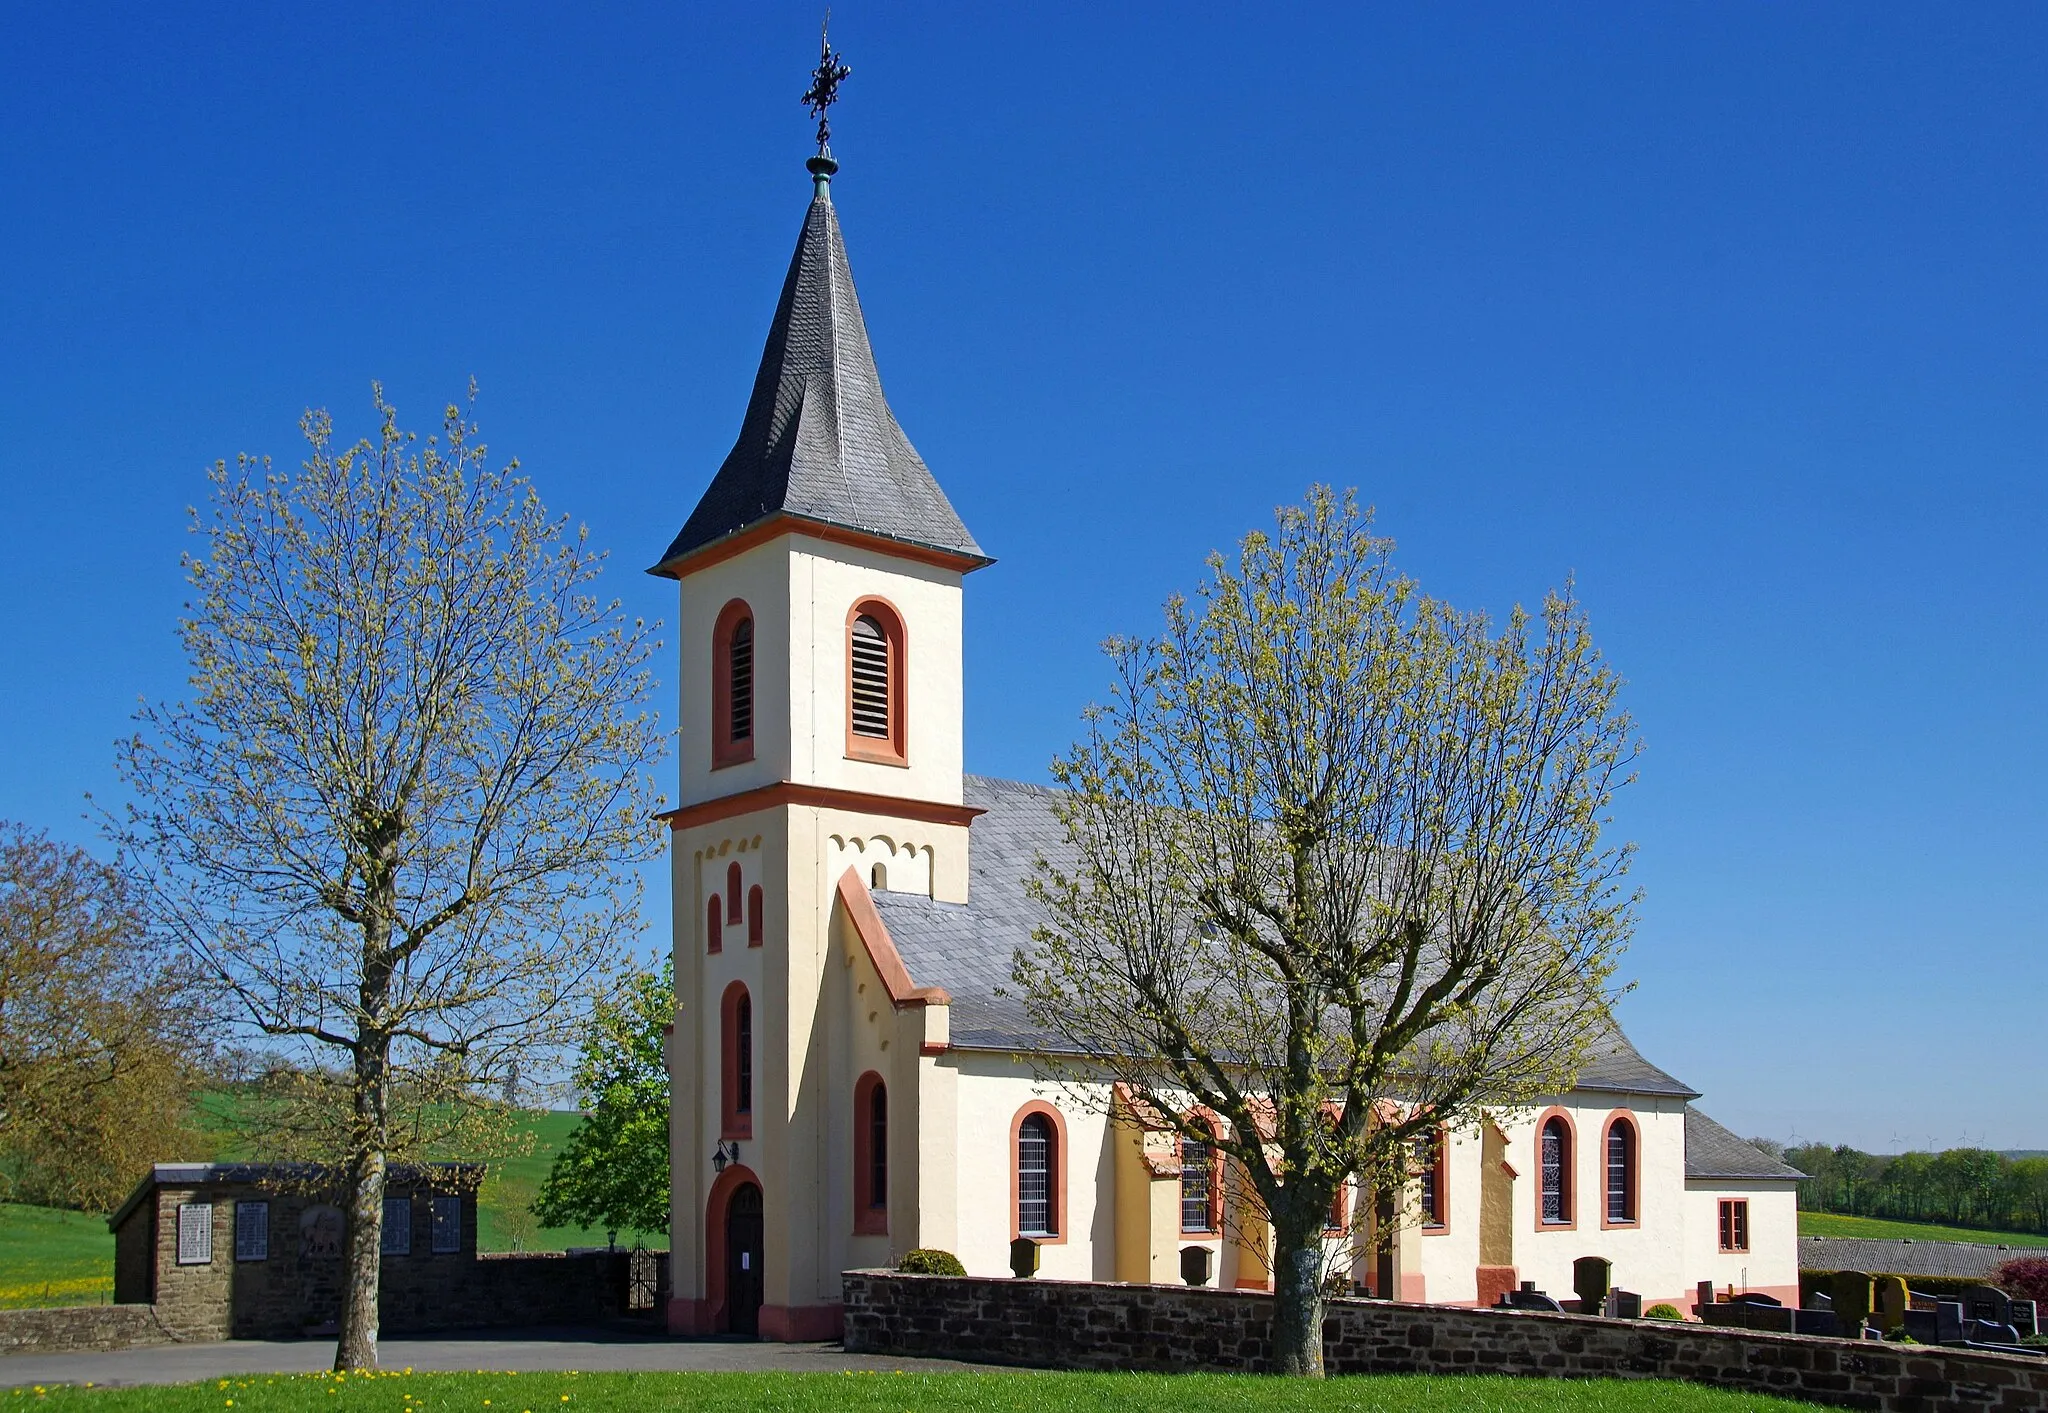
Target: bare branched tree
[
  {"x": 397, "y": 818},
  {"x": 1336, "y": 875}
]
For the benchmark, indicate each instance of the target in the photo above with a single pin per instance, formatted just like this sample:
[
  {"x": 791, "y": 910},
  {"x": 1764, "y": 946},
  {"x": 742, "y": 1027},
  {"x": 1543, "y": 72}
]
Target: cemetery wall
[
  {"x": 74, "y": 1328},
  {"x": 1077, "y": 1325}
]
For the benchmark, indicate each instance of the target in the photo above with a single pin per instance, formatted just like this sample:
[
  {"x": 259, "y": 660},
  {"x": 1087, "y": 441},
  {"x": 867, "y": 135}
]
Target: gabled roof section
[
  {"x": 1711, "y": 1151},
  {"x": 819, "y": 443}
]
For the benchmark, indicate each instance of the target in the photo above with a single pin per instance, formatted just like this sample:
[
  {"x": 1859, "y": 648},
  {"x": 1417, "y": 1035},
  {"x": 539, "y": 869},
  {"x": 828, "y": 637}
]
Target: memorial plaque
[
  {"x": 447, "y": 1225},
  {"x": 320, "y": 1232},
  {"x": 195, "y": 1233},
  {"x": 252, "y": 1231}
]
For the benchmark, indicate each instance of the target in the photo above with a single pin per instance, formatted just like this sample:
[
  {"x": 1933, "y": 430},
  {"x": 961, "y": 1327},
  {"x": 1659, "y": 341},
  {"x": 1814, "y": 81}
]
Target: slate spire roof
[{"x": 819, "y": 442}]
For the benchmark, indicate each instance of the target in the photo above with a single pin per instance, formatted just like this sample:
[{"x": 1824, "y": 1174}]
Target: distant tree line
[{"x": 1967, "y": 1187}]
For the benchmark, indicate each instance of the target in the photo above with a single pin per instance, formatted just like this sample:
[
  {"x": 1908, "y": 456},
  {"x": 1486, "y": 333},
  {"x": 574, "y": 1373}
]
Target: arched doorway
[{"x": 743, "y": 1261}]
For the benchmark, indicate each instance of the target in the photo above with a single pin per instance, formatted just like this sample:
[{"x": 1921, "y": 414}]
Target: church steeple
[{"x": 819, "y": 442}]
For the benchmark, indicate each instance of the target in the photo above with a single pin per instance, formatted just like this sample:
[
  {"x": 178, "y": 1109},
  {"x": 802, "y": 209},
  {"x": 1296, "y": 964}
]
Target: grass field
[
  {"x": 54, "y": 1257},
  {"x": 1878, "y": 1229},
  {"x": 50, "y": 1257},
  {"x": 398, "y": 1392}
]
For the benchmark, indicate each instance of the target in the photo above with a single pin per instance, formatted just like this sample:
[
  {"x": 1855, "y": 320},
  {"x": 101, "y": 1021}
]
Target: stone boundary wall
[
  {"x": 493, "y": 1291},
  {"x": 71, "y": 1328},
  {"x": 1084, "y": 1325}
]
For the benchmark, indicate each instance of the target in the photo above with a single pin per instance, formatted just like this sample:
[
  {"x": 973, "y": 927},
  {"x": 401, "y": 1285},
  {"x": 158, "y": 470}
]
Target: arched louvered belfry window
[
  {"x": 732, "y": 685},
  {"x": 1621, "y": 1172},
  {"x": 875, "y": 728}
]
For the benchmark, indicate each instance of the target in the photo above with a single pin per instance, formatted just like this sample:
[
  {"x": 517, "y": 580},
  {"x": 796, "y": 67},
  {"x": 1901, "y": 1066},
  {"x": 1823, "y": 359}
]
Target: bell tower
[{"x": 820, "y": 750}]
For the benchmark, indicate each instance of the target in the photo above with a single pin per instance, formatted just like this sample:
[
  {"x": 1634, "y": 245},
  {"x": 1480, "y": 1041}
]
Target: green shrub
[
  {"x": 2036, "y": 1341},
  {"x": 929, "y": 1261},
  {"x": 1663, "y": 1312}
]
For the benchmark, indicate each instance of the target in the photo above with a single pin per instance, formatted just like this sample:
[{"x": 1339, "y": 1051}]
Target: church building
[{"x": 847, "y": 1082}]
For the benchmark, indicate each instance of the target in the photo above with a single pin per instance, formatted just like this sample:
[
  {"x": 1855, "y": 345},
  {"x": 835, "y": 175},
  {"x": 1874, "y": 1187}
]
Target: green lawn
[
  {"x": 503, "y": 1221},
  {"x": 1878, "y": 1229},
  {"x": 398, "y": 1392},
  {"x": 52, "y": 1257}
]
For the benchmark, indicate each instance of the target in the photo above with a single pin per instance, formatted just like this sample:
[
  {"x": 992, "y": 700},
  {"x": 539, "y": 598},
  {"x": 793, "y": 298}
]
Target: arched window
[
  {"x": 732, "y": 893},
  {"x": 878, "y": 877},
  {"x": 1431, "y": 1193},
  {"x": 1036, "y": 1150},
  {"x": 1198, "y": 1186},
  {"x": 714, "y": 926},
  {"x": 1621, "y": 1172},
  {"x": 756, "y": 923},
  {"x": 870, "y": 1155},
  {"x": 736, "y": 1088},
  {"x": 874, "y": 683},
  {"x": 1554, "y": 1163},
  {"x": 732, "y": 685}
]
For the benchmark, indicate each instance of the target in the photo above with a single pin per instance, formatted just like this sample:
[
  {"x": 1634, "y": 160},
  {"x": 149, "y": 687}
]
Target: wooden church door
[{"x": 743, "y": 1261}]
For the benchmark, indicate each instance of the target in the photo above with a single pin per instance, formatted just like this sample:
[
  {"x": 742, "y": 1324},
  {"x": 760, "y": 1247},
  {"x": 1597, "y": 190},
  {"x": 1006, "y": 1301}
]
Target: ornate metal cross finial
[{"x": 825, "y": 81}]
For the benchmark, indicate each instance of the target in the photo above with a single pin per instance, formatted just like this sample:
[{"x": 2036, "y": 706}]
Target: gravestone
[
  {"x": 1987, "y": 1302},
  {"x": 1194, "y": 1265},
  {"x": 1889, "y": 1299},
  {"x": 1624, "y": 1305},
  {"x": 1852, "y": 1301},
  {"x": 1591, "y": 1280},
  {"x": 1816, "y": 1322},
  {"x": 2025, "y": 1318}
]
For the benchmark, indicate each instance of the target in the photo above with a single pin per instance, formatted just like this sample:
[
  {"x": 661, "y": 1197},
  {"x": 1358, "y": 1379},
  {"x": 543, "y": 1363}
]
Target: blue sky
[{"x": 1737, "y": 312}]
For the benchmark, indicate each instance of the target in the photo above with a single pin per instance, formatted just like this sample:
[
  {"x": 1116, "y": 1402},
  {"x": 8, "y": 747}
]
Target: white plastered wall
[
  {"x": 801, "y": 591},
  {"x": 1648, "y": 1257},
  {"x": 1771, "y": 1264},
  {"x": 991, "y": 1090}
]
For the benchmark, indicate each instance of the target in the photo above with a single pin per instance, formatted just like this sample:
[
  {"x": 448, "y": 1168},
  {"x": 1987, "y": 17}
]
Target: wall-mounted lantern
[{"x": 728, "y": 1151}]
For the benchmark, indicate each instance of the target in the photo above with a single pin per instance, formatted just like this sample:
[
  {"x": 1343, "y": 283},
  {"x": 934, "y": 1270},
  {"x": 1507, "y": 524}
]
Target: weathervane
[{"x": 825, "y": 81}]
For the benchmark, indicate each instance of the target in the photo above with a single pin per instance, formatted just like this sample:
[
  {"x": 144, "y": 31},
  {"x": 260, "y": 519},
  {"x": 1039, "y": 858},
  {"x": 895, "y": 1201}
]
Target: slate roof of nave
[
  {"x": 818, "y": 441},
  {"x": 967, "y": 948},
  {"x": 1712, "y": 1151}
]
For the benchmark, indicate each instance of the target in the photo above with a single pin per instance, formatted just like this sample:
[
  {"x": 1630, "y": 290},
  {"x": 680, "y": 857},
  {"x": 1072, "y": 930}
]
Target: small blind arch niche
[{"x": 876, "y": 663}]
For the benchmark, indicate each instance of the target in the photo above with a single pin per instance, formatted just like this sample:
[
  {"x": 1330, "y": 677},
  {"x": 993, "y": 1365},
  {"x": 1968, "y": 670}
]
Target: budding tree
[
  {"x": 1336, "y": 876},
  {"x": 397, "y": 816}
]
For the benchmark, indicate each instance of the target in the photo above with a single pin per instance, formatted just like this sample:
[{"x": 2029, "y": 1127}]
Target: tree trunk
[
  {"x": 1298, "y": 1290},
  {"x": 357, "y": 1348}
]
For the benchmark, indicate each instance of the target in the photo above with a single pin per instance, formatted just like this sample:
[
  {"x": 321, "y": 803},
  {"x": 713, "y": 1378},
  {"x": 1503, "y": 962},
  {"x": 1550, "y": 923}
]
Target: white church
[{"x": 848, "y": 1083}]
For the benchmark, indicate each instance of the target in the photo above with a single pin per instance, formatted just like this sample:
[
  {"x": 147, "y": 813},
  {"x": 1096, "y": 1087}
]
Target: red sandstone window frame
[
  {"x": 1338, "y": 1219},
  {"x": 735, "y": 893},
  {"x": 1567, "y": 1172},
  {"x": 1734, "y": 1224},
  {"x": 756, "y": 916},
  {"x": 714, "y": 925},
  {"x": 1436, "y": 1176},
  {"x": 870, "y": 1218},
  {"x": 1056, "y": 1175},
  {"x": 733, "y": 1120},
  {"x": 1621, "y": 1121},
  {"x": 725, "y": 748},
  {"x": 894, "y": 748}
]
